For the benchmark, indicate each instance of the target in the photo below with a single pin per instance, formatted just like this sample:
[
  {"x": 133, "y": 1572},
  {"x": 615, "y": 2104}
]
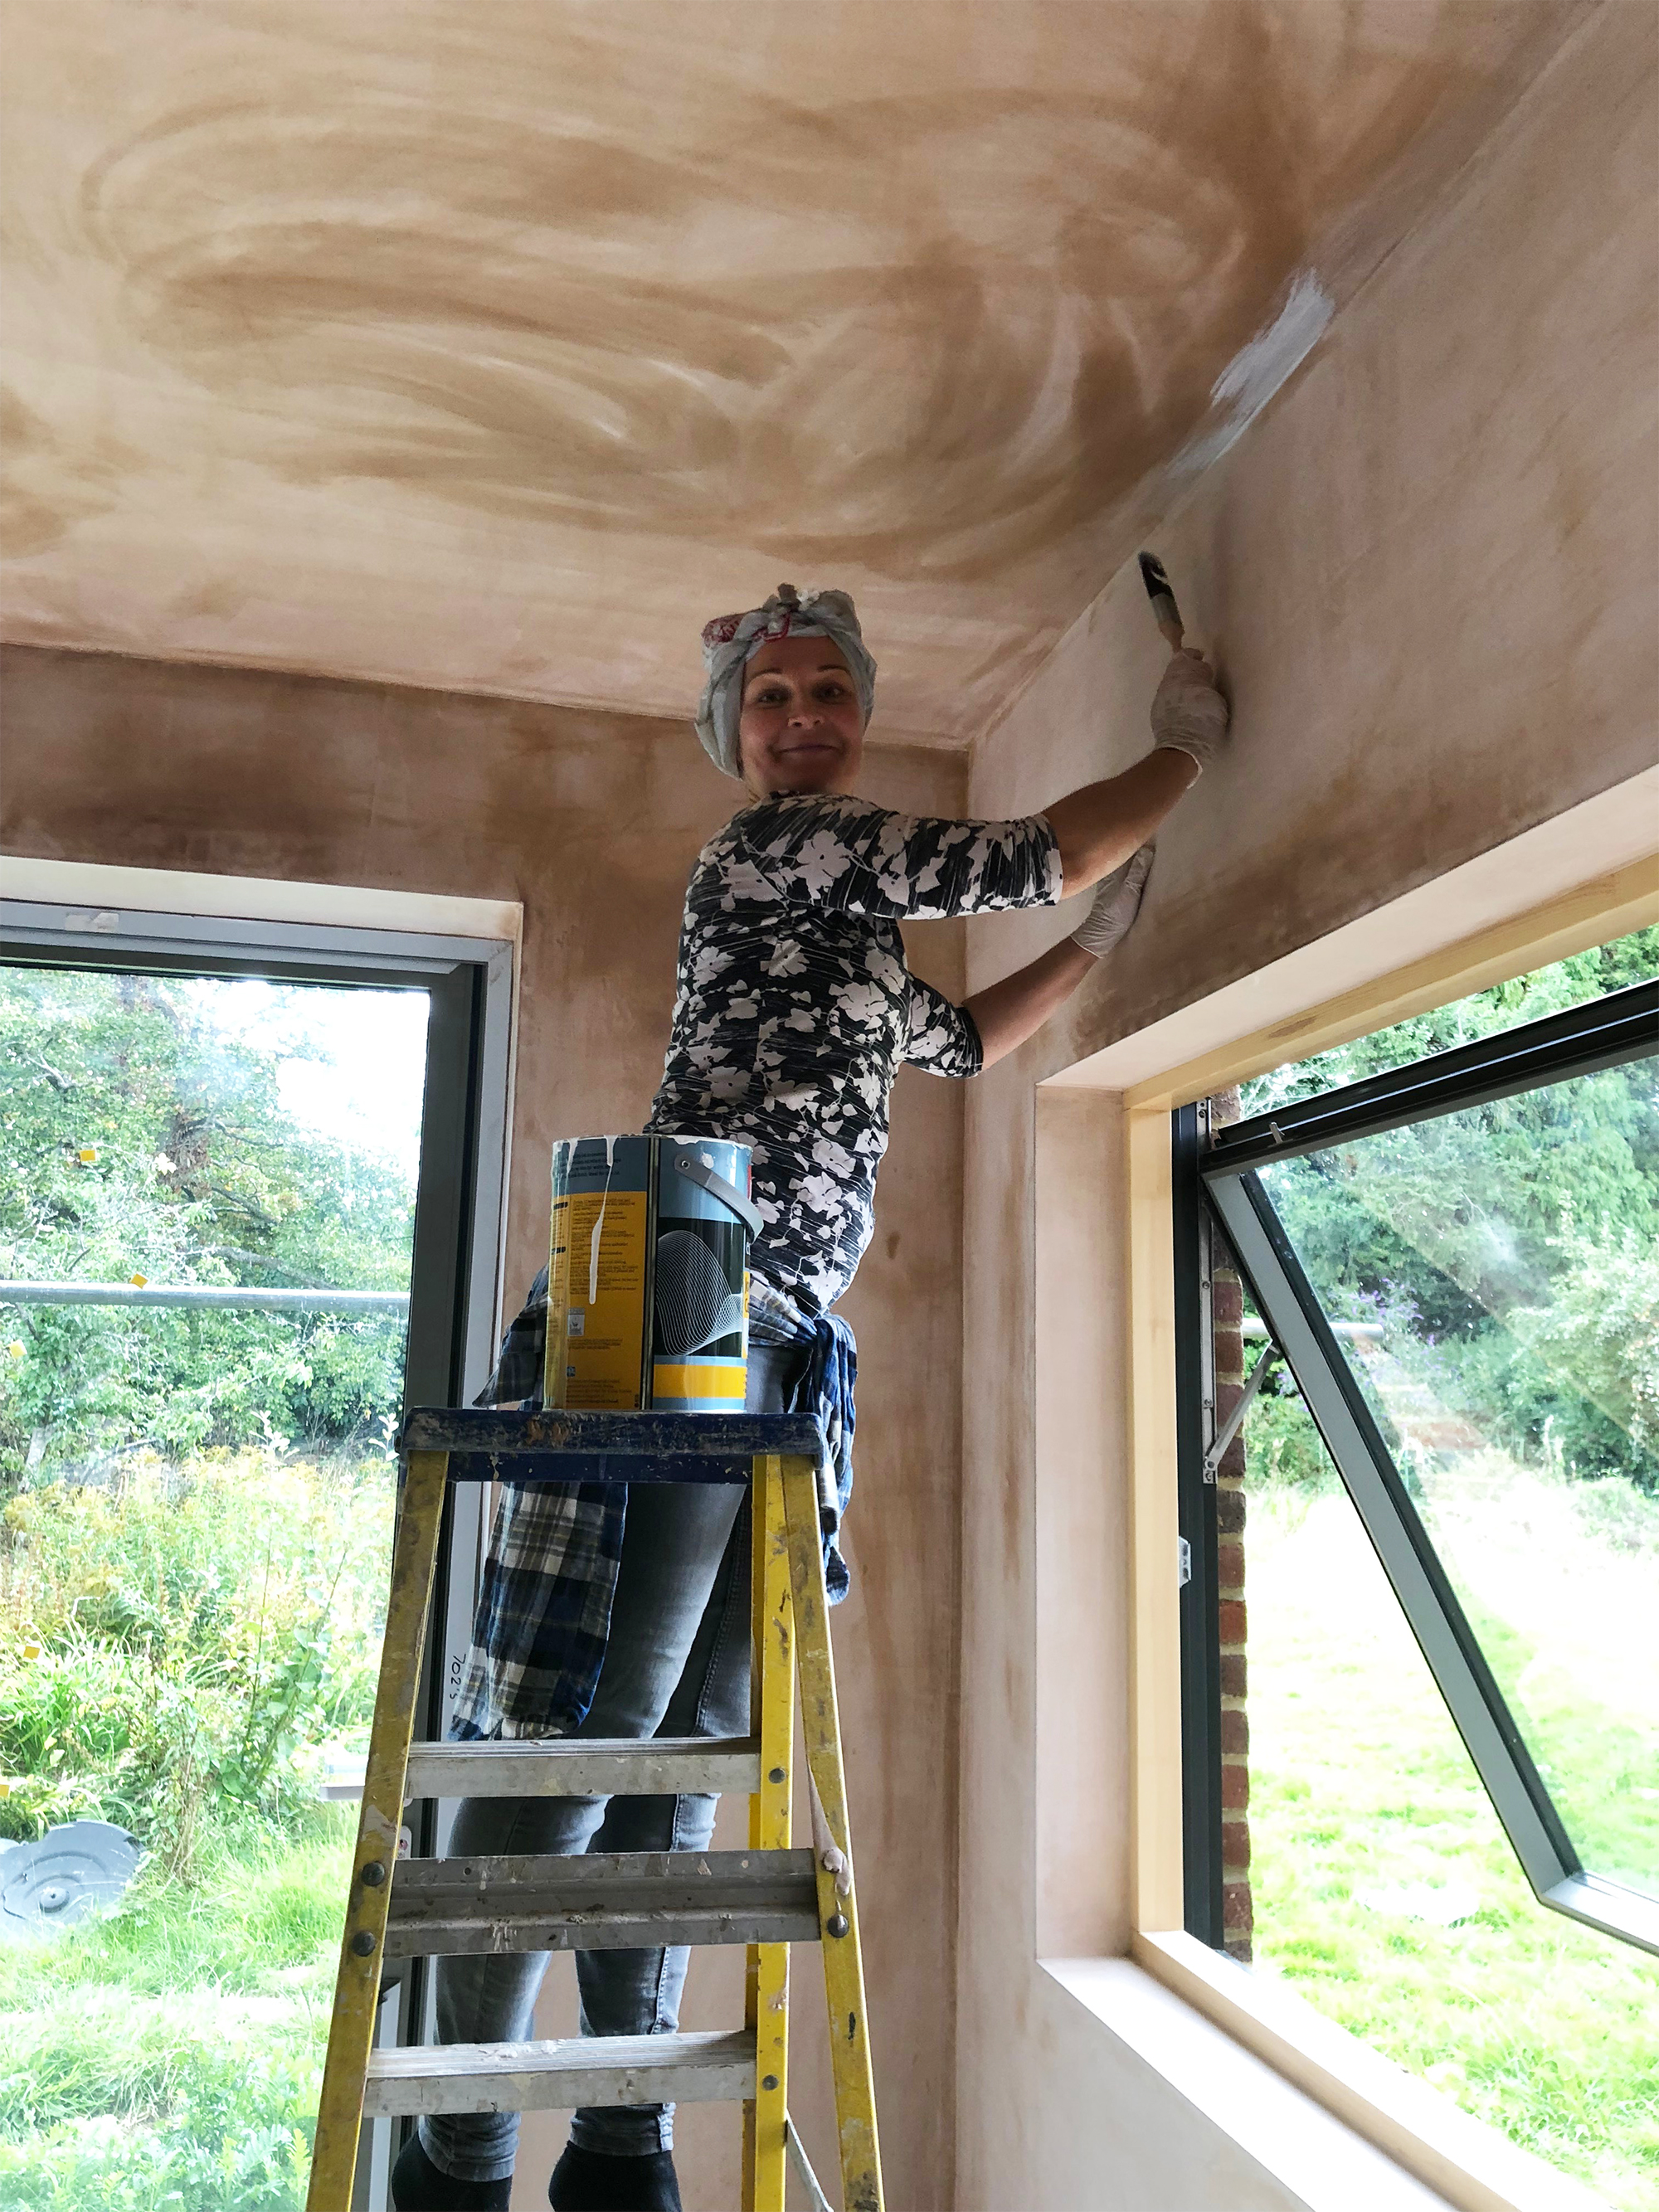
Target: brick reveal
[{"x": 1227, "y": 1314}]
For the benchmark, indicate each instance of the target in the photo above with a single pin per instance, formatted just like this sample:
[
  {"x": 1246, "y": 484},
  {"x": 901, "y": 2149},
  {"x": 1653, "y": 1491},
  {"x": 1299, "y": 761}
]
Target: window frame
[
  {"x": 1613, "y": 1030},
  {"x": 455, "y": 1264},
  {"x": 1198, "y": 1539},
  {"x": 1570, "y": 883}
]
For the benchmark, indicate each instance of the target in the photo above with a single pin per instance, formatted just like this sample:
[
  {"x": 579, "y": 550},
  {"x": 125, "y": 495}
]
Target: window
[
  {"x": 1449, "y": 1298},
  {"x": 250, "y": 1207}
]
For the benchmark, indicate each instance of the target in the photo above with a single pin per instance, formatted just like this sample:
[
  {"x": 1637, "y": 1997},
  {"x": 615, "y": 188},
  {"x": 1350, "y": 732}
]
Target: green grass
[
  {"x": 1600, "y": 1769},
  {"x": 1534, "y": 2022},
  {"x": 264, "y": 1904},
  {"x": 177, "y": 1654},
  {"x": 166, "y": 2058}
]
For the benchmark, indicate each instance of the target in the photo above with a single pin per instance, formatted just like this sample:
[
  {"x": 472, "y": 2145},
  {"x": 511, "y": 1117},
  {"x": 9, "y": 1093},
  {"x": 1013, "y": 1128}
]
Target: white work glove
[
  {"x": 1188, "y": 714},
  {"x": 1114, "y": 905}
]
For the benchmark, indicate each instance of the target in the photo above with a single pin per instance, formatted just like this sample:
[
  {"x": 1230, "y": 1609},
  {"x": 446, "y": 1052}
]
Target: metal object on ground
[
  {"x": 766, "y": 1897},
  {"x": 59, "y": 1880}
]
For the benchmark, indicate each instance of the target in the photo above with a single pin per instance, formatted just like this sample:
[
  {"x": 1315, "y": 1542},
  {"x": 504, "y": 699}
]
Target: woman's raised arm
[{"x": 1098, "y": 827}]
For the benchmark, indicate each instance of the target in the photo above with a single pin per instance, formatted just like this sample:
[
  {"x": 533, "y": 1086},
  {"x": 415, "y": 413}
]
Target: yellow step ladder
[{"x": 766, "y": 1896}]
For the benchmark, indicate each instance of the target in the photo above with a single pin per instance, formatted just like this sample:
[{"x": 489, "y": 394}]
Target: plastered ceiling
[{"x": 494, "y": 346}]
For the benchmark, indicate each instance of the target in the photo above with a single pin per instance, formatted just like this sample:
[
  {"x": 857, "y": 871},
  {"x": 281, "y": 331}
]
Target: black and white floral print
[{"x": 795, "y": 1008}]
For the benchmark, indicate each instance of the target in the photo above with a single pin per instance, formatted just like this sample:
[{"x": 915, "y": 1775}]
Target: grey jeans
[{"x": 676, "y": 1663}]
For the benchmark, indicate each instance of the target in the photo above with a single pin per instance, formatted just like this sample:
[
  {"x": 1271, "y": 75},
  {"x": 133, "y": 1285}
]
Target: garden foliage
[
  {"x": 179, "y": 1647},
  {"x": 138, "y": 1137},
  {"x": 1511, "y": 1251},
  {"x": 195, "y": 1523}
]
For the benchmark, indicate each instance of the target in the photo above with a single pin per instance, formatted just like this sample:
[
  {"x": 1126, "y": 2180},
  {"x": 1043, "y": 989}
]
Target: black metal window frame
[
  {"x": 1219, "y": 1195},
  {"x": 459, "y": 1209}
]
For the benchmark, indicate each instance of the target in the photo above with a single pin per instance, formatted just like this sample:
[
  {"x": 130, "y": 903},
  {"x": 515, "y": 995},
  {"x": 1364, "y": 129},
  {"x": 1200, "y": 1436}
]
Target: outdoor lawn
[
  {"x": 168, "y": 2060},
  {"x": 1365, "y": 1812},
  {"x": 179, "y": 1654}
]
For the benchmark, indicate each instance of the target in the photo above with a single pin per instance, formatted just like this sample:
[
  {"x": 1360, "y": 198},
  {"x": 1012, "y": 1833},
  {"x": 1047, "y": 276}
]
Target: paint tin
[{"x": 648, "y": 1286}]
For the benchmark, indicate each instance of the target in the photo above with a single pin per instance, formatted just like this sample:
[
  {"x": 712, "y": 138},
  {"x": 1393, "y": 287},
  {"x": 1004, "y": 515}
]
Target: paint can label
[{"x": 647, "y": 1276}]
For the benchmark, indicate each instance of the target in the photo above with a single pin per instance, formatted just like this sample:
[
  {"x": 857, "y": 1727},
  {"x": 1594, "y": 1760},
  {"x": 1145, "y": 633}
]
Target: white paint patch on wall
[{"x": 1257, "y": 370}]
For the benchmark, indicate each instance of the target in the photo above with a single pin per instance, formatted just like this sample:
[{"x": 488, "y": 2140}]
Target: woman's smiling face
[{"x": 802, "y": 728}]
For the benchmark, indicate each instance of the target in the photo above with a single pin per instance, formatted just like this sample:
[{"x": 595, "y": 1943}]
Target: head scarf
[{"x": 730, "y": 642}]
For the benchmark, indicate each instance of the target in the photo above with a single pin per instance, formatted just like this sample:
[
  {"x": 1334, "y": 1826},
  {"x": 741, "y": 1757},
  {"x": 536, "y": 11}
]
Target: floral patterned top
[{"x": 795, "y": 1008}]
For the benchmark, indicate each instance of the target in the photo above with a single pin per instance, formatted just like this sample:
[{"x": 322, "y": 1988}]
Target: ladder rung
[
  {"x": 538, "y": 2078},
  {"x": 590, "y": 1766},
  {"x": 601, "y": 1901}
]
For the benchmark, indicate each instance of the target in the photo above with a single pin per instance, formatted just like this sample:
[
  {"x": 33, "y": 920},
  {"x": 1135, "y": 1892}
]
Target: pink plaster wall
[
  {"x": 591, "y": 821},
  {"x": 1429, "y": 572}
]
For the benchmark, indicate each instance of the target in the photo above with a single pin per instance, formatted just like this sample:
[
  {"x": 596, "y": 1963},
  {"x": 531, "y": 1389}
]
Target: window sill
[
  {"x": 1298, "y": 2148},
  {"x": 1424, "y": 2135}
]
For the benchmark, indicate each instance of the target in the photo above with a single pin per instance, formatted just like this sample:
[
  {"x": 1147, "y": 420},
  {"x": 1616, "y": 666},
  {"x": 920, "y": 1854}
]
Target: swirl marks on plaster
[
  {"x": 926, "y": 335},
  {"x": 459, "y": 345},
  {"x": 35, "y": 511}
]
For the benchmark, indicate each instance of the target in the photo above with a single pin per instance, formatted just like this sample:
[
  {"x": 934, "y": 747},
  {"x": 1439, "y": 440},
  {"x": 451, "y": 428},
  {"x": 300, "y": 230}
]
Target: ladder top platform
[{"x": 498, "y": 1443}]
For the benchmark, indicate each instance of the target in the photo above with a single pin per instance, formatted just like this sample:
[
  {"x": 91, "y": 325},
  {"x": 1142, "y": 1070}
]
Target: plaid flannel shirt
[
  {"x": 544, "y": 1614},
  {"x": 538, "y": 1635}
]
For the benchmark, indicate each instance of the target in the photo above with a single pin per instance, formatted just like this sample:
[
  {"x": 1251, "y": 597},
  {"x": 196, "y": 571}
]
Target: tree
[
  {"x": 1512, "y": 1244},
  {"x": 142, "y": 1139}
]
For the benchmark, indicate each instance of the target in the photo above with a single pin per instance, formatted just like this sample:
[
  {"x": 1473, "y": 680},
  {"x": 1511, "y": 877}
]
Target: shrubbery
[
  {"x": 138, "y": 1139},
  {"x": 1510, "y": 1250},
  {"x": 176, "y": 1650},
  {"x": 195, "y": 1524},
  {"x": 180, "y": 1645}
]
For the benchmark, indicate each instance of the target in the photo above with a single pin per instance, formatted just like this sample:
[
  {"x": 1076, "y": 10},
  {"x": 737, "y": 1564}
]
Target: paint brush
[{"x": 1165, "y": 613}]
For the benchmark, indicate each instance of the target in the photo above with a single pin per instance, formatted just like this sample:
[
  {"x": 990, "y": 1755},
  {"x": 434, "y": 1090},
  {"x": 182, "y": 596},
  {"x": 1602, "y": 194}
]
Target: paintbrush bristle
[{"x": 1165, "y": 613}]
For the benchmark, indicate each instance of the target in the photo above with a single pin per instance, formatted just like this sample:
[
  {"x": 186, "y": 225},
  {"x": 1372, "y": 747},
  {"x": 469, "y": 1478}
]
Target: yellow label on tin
[
  {"x": 558, "y": 1303},
  {"x": 596, "y": 1316},
  {"x": 679, "y": 1382}
]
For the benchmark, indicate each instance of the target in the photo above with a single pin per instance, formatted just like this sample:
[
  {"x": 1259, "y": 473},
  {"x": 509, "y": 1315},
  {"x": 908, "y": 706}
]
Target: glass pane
[
  {"x": 1506, "y": 1262},
  {"x": 195, "y": 1524},
  {"x": 1384, "y": 1889}
]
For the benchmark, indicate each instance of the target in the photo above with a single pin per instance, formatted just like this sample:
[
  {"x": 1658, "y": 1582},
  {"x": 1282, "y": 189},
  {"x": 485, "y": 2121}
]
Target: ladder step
[
  {"x": 584, "y": 2070},
  {"x": 587, "y": 1766},
  {"x": 600, "y": 1901}
]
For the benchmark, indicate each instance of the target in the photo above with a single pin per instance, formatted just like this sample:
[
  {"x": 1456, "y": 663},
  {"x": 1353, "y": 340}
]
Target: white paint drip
[
  {"x": 593, "y": 1241},
  {"x": 1257, "y": 370}
]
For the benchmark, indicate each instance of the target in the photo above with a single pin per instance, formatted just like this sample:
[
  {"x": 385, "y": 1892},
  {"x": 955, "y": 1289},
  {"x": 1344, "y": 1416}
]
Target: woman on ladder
[{"x": 629, "y": 1616}]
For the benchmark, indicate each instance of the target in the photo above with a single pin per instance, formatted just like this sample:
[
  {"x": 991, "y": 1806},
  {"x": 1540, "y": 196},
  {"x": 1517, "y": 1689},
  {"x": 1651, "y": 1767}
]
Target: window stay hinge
[{"x": 1230, "y": 1427}]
